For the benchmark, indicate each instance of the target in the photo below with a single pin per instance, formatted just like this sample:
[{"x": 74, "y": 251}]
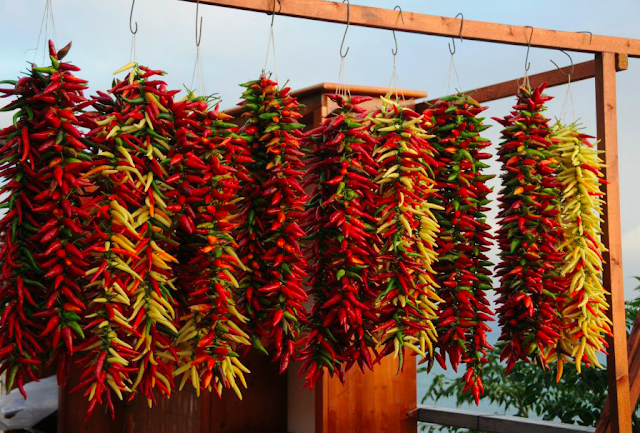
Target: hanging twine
[
  {"x": 568, "y": 100},
  {"x": 132, "y": 50},
  {"x": 198, "y": 75},
  {"x": 134, "y": 31},
  {"x": 47, "y": 31},
  {"x": 271, "y": 45},
  {"x": 525, "y": 80},
  {"x": 452, "y": 72},
  {"x": 343, "y": 80},
  {"x": 198, "y": 70},
  {"x": 394, "y": 83}
]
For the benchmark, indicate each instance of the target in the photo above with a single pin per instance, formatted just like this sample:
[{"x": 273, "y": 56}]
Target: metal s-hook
[
  {"x": 560, "y": 69},
  {"x": 589, "y": 33},
  {"x": 395, "y": 41},
  {"x": 453, "y": 40},
  {"x": 346, "y": 29},
  {"x": 133, "y": 32},
  {"x": 527, "y": 64},
  {"x": 273, "y": 11},
  {"x": 198, "y": 35}
]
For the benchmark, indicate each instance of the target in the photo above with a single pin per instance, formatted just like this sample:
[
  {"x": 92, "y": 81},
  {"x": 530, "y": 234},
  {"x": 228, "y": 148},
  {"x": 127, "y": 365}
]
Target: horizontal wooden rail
[
  {"x": 389, "y": 19},
  {"x": 506, "y": 89},
  {"x": 490, "y": 422}
]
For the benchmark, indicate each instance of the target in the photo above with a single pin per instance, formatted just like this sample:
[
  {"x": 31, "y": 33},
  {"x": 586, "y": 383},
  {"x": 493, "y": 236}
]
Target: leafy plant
[{"x": 531, "y": 391}]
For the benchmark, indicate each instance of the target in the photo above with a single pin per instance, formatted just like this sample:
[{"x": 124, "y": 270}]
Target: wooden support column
[{"x": 617, "y": 363}]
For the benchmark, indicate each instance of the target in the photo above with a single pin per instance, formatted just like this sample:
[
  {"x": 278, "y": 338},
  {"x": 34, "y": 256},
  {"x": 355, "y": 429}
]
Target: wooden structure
[
  {"x": 380, "y": 401},
  {"x": 609, "y": 53},
  {"x": 475, "y": 420}
]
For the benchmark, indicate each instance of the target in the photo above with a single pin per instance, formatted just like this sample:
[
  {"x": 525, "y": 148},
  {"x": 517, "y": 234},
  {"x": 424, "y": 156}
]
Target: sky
[{"x": 234, "y": 45}]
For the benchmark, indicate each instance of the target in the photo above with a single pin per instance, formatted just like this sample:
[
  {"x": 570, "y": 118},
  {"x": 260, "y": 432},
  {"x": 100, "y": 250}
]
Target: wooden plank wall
[
  {"x": 263, "y": 410},
  {"x": 375, "y": 401},
  {"x": 180, "y": 414}
]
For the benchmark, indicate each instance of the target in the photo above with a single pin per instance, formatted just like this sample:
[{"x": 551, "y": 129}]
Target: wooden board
[
  {"x": 374, "y": 401},
  {"x": 633, "y": 351},
  {"x": 263, "y": 408},
  {"x": 617, "y": 363},
  {"x": 493, "y": 423},
  {"x": 389, "y": 19},
  {"x": 310, "y": 96},
  {"x": 180, "y": 414},
  {"x": 506, "y": 89}
]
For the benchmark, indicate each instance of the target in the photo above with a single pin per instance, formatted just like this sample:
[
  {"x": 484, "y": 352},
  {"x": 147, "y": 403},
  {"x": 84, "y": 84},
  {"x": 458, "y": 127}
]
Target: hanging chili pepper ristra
[
  {"x": 20, "y": 353},
  {"x": 271, "y": 291},
  {"x": 209, "y": 264},
  {"x": 584, "y": 307},
  {"x": 133, "y": 138},
  {"x": 530, "y": 291},
  {"x": 108, "y": 351},
  {"x": 64, "y": 160},
  {"x": 462, "y": 270},
  {"x": 408, "y": 229},
  {"x": 42, "y": 264},
  {"x": 343, "y": 243}
]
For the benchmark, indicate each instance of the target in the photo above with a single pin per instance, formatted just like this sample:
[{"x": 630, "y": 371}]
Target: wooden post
[{"x": 617, "y": 363}]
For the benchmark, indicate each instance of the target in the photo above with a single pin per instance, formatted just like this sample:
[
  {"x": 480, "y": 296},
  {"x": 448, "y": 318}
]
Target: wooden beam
[
  {"x": 617, "y": 362},
  {"x": 490, "y": 422},
  {"x": 582, "y": 71},
  {"x": 633, "y": 350},
  {"x": 389, "y": 19}
]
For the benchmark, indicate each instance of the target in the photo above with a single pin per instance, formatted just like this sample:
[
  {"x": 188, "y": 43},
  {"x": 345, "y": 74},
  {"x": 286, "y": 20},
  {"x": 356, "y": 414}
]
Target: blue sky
[{"x": 234, "y": 45}]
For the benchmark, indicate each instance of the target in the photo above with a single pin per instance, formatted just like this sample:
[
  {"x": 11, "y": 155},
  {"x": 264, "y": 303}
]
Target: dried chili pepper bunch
[
  {"x": 133, "y": 310},
  {"x": 343, "y": 243},
  {"x": 408, "y": 228},
  {"x": 205, "y": 194},
  {"x": 271, "y": 291},
  {"x": 462, "y": 270},
  {"x": 43, "y": 160},
  {"x": 530, "y": 233},
  {"x": 584, "y": 309}
]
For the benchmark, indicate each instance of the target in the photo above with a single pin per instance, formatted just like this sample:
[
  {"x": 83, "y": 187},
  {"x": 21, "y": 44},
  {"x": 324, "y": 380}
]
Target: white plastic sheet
[{"x": 42, "y": 401}]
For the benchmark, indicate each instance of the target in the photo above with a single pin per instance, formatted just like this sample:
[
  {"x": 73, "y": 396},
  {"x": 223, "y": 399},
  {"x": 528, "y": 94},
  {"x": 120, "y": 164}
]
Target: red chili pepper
[
  {"x": 527, "y": 291},
  {"x": 344, "y": 245},
  {"x": 266, "y": 243}
]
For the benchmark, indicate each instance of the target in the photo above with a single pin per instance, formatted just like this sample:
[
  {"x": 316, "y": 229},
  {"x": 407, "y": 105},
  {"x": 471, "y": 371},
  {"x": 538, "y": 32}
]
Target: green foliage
[
  {"x": 530, "y": 391},
  {"x": 633, "y": 308}
]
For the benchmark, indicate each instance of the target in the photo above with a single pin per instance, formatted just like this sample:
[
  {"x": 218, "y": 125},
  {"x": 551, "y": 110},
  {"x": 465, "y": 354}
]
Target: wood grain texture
[
  {"x": 633, "y": 350},
  {"x": 506, "y": 89},
  {"x": 389, "y": 19},
  {"x": 263, "y": 408},
  {"x": 375, "y": 401},
  {"x": 310, "y": 96},
  {"x": 493, "y": 423},
  {"x": 617, "y": 362},
  {"x": 180, "y": 414}
]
